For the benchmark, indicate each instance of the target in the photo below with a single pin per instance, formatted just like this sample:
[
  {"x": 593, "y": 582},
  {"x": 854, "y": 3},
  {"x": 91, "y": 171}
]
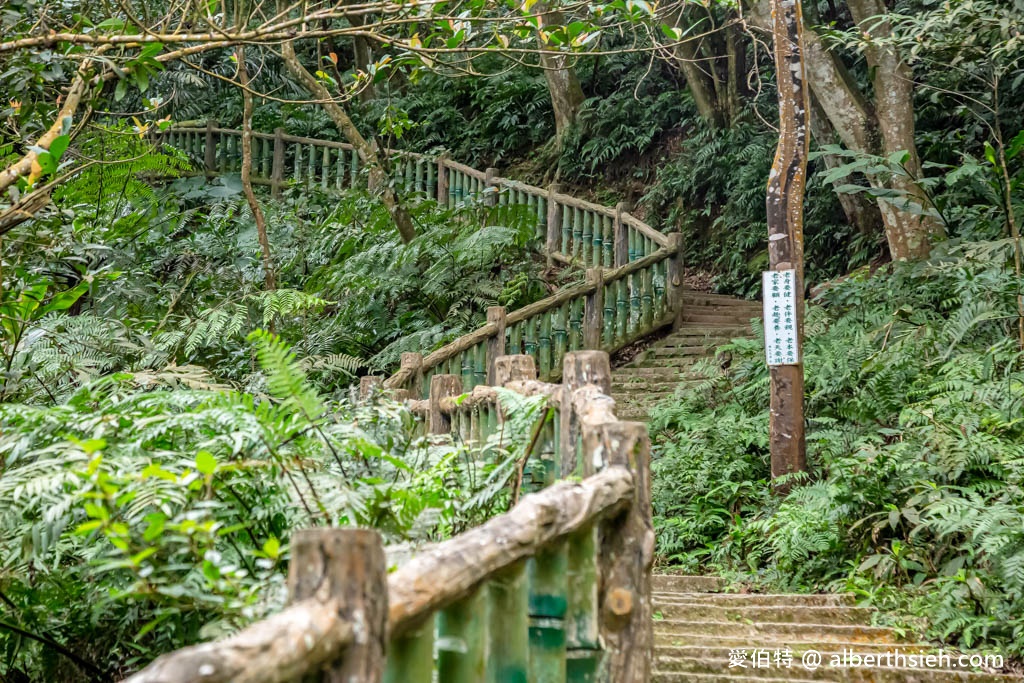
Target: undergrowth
[{"x": 915, "y": 440}]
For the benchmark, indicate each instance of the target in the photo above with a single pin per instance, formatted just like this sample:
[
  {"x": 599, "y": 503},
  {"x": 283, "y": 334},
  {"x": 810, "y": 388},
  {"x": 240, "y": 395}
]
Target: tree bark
[
  {"x": 362, "y": 52},
  {"x": 687, "y": 57},
  {"x": 910, "y": 235},
  {"x": 23, "y": 166},
  {"x": 563, "y": 84},
  {"x": 367, "y": 151},
  {"x": 785, "y": 230},
  {"x": 250, "y": 195},
  {"x": 860, "y": 211},
  {"x": 864, "y": 127}
]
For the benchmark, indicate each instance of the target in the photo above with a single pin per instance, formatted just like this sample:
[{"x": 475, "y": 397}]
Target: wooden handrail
[
  {"x": 639, "y": 270},
  {"x": 439, "y": 576},
  {"x": 352, "y": 619}
]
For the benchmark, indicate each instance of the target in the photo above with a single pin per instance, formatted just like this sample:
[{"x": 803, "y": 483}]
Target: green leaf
[
  {"x": 59, "y": 144},
  {"x": 206, "y": 463}
]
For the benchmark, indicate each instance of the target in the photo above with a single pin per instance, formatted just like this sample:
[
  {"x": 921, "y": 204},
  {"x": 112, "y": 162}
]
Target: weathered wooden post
[
  {"x": 621, "y": 235},
  {"x": 674, "y": 279},
  {"x": 496, "y": 343},
  {"x": 413, "y": 363},
  {"x": 490, "y": 189},
  {"x": 593, "y": 309},
  {"x": 552, "y": 241},
  {"x": 514, "y": 369},
  {"x": 277, "y": 169},
  {"x": 348, "y": 568},
  {"x": 209, "y": 151},
  {"x": 626, "y": 553},
  {"x": 579, "y": 369},
  {"x": 441, "y": 387},
  {"x": 442, "y": 180},
  {"x": 368, "y": 384}
]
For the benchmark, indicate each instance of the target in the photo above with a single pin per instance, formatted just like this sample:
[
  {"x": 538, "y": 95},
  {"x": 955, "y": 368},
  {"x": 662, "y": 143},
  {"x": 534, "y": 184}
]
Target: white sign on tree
[{"x": 781, "y": 345}]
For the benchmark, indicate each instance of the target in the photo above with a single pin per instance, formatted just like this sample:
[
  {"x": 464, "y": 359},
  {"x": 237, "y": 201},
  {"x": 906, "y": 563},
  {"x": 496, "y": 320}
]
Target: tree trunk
[
  {"x": 367, "y": 151},
  {"x": 687, "y": 57},
  {"x": 910, "y": 235},
  {"x": 860, "y": 210},
  {"x": 363, "y": 55},
  {"x": 250, "y": 196},
  {"x": 863, "y": 129},
  {"x": 563, "y": 84},
  {"x": 785, "y": 230}
]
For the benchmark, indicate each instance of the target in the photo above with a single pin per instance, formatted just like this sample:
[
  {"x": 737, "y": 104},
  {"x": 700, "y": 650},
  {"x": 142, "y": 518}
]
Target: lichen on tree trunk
[{"x": 785, "y": 229}]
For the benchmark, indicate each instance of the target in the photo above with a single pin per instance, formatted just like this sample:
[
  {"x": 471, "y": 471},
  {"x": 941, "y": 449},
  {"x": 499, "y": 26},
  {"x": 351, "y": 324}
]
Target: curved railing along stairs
[{"x": 633, "y": 289}]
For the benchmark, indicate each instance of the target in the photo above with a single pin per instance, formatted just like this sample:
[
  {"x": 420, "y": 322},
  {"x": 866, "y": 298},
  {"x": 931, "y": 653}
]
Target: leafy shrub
[{"x": 136, "y": 521}]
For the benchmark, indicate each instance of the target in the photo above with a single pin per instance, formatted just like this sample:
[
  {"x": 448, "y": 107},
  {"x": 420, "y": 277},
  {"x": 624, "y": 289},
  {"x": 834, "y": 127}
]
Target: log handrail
[
  {"x": 351, "y": 618},
  {"x": 634, "y": 280}
]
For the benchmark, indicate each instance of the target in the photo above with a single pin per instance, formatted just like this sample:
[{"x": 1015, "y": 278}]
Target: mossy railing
[
  {"x": 634, "y": 273},
  {"x": 555, "y": 590}
]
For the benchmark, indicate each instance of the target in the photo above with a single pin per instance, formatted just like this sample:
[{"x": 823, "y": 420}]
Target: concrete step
[
  {"x": 753, "y": 614},
  {"x": 685, "y": 583},
  {"x": 723, "y": 319},
  {"x": 714, "y": 651},
  {"x": 642, "y": 384},
  {"x": 728, "y": 600},
  {"x": 773, "y": 632},
  {"x": 825, "y": 672},
  {"x": 629, "y": 373},
  {"x": 677, "y": 351},
  {"x": 669, "y": 642},
  {"x": 709, "y": 299},
  {"x": 678, "y": 677},
  {"x": 652, "y": 361},
  {"x": 692, "y": 340}
]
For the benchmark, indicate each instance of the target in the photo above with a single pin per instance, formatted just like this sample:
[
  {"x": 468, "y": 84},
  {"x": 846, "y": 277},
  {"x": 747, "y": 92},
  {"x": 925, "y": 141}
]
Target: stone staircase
[
  {"x": 709, "y": 320},
  {"x": 713, "y": 637}
]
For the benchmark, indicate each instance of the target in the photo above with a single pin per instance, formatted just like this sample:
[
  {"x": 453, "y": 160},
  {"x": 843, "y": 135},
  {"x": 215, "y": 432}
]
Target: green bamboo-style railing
[
  {"x": 634, "y": 277},
  {"x": 573, "y": 230},
  {"x": 557, "y": 590}
]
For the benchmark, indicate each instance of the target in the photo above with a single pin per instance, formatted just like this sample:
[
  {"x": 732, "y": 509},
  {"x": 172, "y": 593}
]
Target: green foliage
[
  {"x": 138, "y": 521},
  {"x": 147, "y": 273},
  {"x": 714, "y": 192},
  {"x": 914, "y": 387}
]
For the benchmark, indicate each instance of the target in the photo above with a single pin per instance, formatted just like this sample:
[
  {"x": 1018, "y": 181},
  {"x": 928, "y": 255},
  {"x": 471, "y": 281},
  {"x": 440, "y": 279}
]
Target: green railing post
[
  {"x": 411, "y": 656},
  {"x": 548, "y": 604},
  {"x": 509, "y": 628},
  {"x": 593, "y": 309},
  {"x": 553, "y": 238},
  {"x": 461, "y": 640},
  {"x": 583, "y": 645},
  {"x": 496, "y": 344},
  {"x": 277, "y": 167}
]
